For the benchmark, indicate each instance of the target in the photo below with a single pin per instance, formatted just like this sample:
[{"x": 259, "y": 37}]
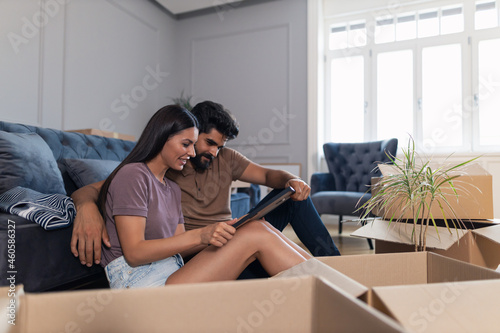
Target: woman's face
[{"x": 179, "y": 148}]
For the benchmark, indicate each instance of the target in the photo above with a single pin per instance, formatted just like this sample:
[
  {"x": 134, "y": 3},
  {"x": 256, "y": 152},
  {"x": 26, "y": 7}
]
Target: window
[
  {"x": 488, "y": 95},
  {"x": 395, "y": 93},
  {"x": 426, "y": 71},
  {"x": 347, "y": 98},
  {"x": 486, "y": 15},
  {"x": 441, "y": 106}
]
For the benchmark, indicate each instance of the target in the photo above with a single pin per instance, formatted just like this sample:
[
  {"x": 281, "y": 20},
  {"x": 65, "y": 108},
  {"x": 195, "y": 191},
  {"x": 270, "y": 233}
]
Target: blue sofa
[{"x": 43, "y": 260}]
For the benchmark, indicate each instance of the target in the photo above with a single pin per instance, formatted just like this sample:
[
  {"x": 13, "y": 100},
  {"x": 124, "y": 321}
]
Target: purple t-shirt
[{"x": 136, "y": 192}]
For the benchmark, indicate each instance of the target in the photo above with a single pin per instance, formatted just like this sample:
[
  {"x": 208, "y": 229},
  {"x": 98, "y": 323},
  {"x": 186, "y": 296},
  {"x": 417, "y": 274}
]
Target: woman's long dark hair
[{"x": 165, "y": 123}]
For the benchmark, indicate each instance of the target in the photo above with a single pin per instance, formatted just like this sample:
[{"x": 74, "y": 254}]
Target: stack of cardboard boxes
[
  {"x": 452, "y": 288},
  {"x": 400, "y": 292},
  {"x": 479, "y": 244}
]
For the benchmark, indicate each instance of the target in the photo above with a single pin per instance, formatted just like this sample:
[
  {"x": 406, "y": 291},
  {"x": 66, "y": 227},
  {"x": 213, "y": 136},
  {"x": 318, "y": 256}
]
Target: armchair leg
[
  {"x": 340, "y": 224},
  {"x": 370, "y": 242}
]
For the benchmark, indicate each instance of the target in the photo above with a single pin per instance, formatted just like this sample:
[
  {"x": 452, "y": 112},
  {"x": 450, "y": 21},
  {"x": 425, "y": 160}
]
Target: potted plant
[
  {"x": 184, "y": 101},
  {"x": 416, "y": 186}
]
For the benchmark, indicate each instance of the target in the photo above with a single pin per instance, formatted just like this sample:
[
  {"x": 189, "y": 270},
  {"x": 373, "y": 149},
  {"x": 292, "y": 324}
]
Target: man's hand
[
  {"x": 88, "y": 228},
  {"x": 302, "y": 190},
  {"x": 257, "y": 174},
  {"x": 88, "y": 235}
]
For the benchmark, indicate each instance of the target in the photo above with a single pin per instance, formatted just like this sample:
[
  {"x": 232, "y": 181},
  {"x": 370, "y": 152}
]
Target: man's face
[{"x": 207, "y": 148}]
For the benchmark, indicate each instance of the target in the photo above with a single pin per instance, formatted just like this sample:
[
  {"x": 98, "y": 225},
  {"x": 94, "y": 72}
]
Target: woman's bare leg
[
  {"x": 252, "y": 241},
  {"x": 303, "y": 252}
]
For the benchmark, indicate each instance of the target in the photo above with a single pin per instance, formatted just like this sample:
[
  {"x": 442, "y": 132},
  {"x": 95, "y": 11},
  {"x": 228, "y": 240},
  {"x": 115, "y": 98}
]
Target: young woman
[{"x": 144, "y": 220}]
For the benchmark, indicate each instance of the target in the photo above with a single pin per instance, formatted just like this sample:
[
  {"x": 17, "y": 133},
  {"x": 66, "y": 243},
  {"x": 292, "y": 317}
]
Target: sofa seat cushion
[
  {"x": 27, "y": 161},
  {"x": 339, "y": 202},
  {"x": 87, "y": 171}
]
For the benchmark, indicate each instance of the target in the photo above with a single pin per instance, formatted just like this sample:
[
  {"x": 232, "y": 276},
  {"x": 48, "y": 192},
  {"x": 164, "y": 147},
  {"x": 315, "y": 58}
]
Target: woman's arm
[
  {"x": 181, "y": 229},
  {"x": 138, "y": 251}
]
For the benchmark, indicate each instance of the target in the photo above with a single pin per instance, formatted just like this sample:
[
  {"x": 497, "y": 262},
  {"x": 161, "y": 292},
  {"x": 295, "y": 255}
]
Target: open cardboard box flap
[
  {"x": 477, "y": 246},
  {"x": 399, "y": 232},
  {"x": 315, "y": 267},
  {"x": 443, "y": 307},
  {"x": 296, "y": 304},
  {"x": 492, "y": 233},
  {"x": 390, "y": 269}
]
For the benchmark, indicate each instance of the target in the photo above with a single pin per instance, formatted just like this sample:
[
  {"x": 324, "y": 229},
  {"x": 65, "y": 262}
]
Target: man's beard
[{"x": 200, "y": 164}]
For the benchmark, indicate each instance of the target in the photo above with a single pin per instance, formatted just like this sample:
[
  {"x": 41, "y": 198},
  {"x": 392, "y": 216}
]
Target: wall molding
[
  {"x": 133, "y": 15},
  {"x": 287, "y": 30},
  {"x": 315, "y": 103}
]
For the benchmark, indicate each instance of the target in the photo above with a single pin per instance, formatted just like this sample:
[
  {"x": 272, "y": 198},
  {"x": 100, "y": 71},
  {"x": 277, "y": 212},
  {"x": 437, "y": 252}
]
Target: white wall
[
  {"x": 69, "y": 64},
  {"x": 253, "y": 60}
]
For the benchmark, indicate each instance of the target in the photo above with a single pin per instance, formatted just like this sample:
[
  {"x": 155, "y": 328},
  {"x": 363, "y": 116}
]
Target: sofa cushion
[
  {"x": 27, "y": 161},
  {"x": 88, "y": 171}
]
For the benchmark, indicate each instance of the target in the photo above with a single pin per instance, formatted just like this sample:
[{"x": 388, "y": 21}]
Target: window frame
[{"x": 469, "y": 40}]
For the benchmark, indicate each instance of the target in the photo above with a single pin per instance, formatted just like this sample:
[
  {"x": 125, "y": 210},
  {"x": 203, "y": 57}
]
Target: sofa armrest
[{"x": 322, "y": 181}]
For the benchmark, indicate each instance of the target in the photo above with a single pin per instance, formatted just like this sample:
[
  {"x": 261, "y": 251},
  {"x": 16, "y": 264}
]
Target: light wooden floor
[{"x": 346, "y": 244}]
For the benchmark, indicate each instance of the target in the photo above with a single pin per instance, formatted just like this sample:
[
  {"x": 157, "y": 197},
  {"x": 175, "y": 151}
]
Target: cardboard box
[
  {"x": 399, "y": 285},
  {"x": 106, "y": 134},
  {"x": 475, "y": 195},
  {"x": 479, "y": 247},
  {"x": 297, "y": 304},
  {"x": 393, "y": 269},
  {"x": 443, "y": 307}
]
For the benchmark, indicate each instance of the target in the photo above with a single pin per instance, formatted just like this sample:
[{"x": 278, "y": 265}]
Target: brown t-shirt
[{"x": 206, "y": 195}]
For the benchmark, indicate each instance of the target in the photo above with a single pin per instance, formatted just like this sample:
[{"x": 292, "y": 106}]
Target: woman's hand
[{"x": 218, "y": 234}]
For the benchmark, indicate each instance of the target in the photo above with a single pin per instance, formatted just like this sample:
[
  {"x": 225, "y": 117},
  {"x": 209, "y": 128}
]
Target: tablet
[{"x": 260, "y": 211}]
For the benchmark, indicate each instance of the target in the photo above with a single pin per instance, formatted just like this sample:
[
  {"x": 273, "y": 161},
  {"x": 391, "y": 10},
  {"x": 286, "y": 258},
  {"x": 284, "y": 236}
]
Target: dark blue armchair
[{"x": 343, "y": 189}]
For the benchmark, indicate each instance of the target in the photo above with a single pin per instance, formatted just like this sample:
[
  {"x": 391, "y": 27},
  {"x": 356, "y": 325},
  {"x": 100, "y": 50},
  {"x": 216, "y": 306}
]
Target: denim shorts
[{"x": 121, "y": 275}]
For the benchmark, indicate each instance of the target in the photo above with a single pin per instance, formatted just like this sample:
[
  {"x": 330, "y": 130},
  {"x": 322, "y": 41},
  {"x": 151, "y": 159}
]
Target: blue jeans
[{"x": 307, "y": 225}]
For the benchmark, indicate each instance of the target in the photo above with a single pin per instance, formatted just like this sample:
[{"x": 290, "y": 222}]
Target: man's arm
[
  {"x": 257, "y": 174},
  {"x": 88, "y": 227}
]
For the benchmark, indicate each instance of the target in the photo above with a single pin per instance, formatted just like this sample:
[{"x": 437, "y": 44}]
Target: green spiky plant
[
  {"x": 184, "y": 101},
  {"x": 417, "y": 187}
]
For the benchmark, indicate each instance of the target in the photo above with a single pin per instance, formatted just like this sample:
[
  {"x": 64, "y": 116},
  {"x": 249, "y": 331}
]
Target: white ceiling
[{"x": 183, "y": 6}]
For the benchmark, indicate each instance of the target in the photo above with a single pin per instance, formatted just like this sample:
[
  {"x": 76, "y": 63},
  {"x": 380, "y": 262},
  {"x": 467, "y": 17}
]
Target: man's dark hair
[{"x": 213, "y": 115}]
